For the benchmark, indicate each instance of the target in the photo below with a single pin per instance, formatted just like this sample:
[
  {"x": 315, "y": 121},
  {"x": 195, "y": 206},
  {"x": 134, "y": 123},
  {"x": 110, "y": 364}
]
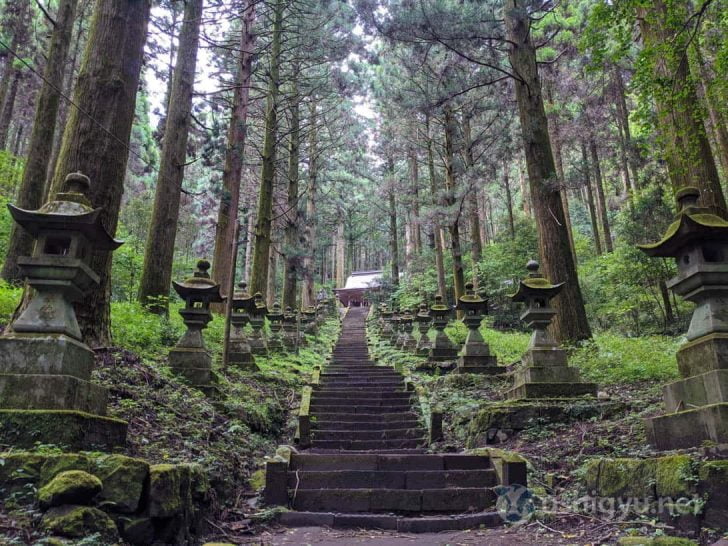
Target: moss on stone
[
  {"x": 675, "y": 476},
  {"x": 165, "y": 481},
  {"x": 124, "y": 479},
  {"x": 627, "y": 478},
  {"x": 257, "y": 479},
  {"x": 655, "y": 541},
  {"x": 80, "y": 521},
  {"x": 55, "y": 464},
  {"x": 590, "y": 472},
  {"x": 137, "y": 531},
  {"x": 70, "y": 487},
  {"x": 18, "y": 470}
]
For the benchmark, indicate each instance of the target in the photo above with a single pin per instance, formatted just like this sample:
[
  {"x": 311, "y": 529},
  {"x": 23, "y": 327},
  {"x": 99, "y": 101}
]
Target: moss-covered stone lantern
[
  {"x": 475, "y": 355},
  {"x": 387, "y": 327},
  {"x": 46, "y": 394},
  {"x": 308, "y": 320},
  {"x": 544, "y": 370},
  {"x": 443, "y": 349},
  {"x": 275, "y": 316},
  {"x": 239, "y": 354},
  {"x": 697, "y": 405},
  {"x": 424, "y": 321},
  {"x": 406, "y": 342},
  {"x": 190, "y": 358},
  {"x": 258, "y": 343},
  {"x": 290, "y": 330}
]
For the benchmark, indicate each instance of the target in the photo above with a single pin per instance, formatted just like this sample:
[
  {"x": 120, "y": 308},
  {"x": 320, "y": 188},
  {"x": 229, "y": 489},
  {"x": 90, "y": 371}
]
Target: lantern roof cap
[
  {"x": 535, "y": 284},
  {"x": 199, "y": 284},
  {"x": 69, "y": 210},
  {"x": 439, "y": 304},
  {"x": 693, "y": 225}
]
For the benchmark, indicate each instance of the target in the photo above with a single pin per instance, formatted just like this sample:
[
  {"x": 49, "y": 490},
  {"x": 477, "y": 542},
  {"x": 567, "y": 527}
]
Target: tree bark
[
  {"x": 599, "y": 183},
  {"x": 590, "y": 199},
  {"x": 439, "y": 253},
  {"x": 157, "y": 271},
  {"x": 308, "y": 296},
  {"x": 416, "y": 228},
  {"x": 679, "y": 118},
  {"x": 556, "y": 256},
  {"x": 291, "y": 249},
  {"x": 555, "y": 136},
  {"x": 509, "y": 200},
  {"x": 340, "y": 255},
  {"x": 525, "y": 194},
  {"x": 454, "y": 227},
  {"x": 98, "y": 145},
  {"x": 393, "y": 235},
  {"x": 261, "y": 251},
  {"x": 627, "y": 147},
  {"x": 717, "y": 118},
  {"x": 32, "y": 186},
  {"x": 227, "y": 215},
  {"x": 476, "y": 242},
  {"x": 6, "y": 115},
  {"x": 11, "y": 74}
]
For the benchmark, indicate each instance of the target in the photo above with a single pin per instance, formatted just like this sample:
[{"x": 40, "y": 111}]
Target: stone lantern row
[{"x": 46, "y": 393}]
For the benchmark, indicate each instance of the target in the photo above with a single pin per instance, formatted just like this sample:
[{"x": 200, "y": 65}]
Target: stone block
[
  {"x": 397, "y": 500},
  {"x": 700, "y": 390},
  {"x": 73, "y": 429},
  {"x": 124, "y": 480},
  {"x": 70, "y": 487},
  {"x": 545, "y": 356},
  {"x": 688, "y": 428},
  {"x": 622, "y": 478},
  {"x": 676, "y": 476},
  {"x": 457, "y": 500},
  {"x": 55, "y": 464},
  {"x": 195, "y": 364},
  {"x": 307, "y": 519},
  {"x": 51, "y": 392},
  {"x": 166, "y": 490},
  {"x": 714, "y": 487},
  {"x": 49, "y": 354},
  {"x": 703, "y": 355},
  {"x": 276, "y": 483},
  {"x": 80, "y": 521},
  {"x": 547, "y": 374},
  {"x": 552, "y": 390},
  {"x": 365, "y": 521}
]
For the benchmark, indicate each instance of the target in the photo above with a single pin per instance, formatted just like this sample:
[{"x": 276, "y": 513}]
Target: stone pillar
[
  {"x": 406, "y": 342},
  {"x": 290, "y": 330},
  {"x": 443, "y": 350},
  {"x": 544, "y": 371},
  {"x": 475, "y": 355},
  {"x": 275, "y": 316},
  {"x": 258, "y": 343},
  {"x": 46, "y": 393},
  {"x": 239, "y": 354},
  {"x": 190, "y": 358},
  {"x": 424, "y": 322},
  {"x": 696, "y": 405}
]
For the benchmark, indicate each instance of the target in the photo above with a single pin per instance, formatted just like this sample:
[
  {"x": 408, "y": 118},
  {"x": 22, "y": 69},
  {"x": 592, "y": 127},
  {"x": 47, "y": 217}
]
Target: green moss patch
[{"x": 70, "y": 487}]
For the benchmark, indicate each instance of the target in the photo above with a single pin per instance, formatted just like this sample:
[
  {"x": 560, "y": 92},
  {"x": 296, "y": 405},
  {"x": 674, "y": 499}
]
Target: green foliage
[
  {"x": 6, "y": 223},
  {"x": 11, "y": 171},
  {"x": 612, "y": 358},
  {"x": 9, "y": 298},
  {"x": 147, "y": 334}
]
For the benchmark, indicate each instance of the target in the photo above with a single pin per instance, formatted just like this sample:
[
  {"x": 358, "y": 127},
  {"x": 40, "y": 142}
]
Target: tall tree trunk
[
  {"x": 416, "y": 228},
  {"x": 454, "y": 227},
  {"x": 525, "y": 194},
  {"x": 627, "y": 145},
  {"x": 261, "y": 251},
  {"x": 32, "y": 187},
  {"x": 393, "y": 235},
  {"x": 679, "y": 118},
  {"x": 227, "y": 215},
  {"x": 308, "y": 297},
  {"x": 717, "y": 119},
  {"x": 476, "y": 243},
  {"x": 157, "y": 271},
  {"x": 590, "y": 199},
  {"x": 340, "y": 256},
  {"x": 6, "y": 115},
  {"x": 509, "y": 200},
  {"x": 97, "y": 143},
  {"x": 292, "y": 240},
  {"x": 270, "y": 288},
  {"x": 555, "y": 136},
  {"x": 599, "y": 183},
  {"x": 556, "y": 256},
  {"x": 439, "y": 252}
]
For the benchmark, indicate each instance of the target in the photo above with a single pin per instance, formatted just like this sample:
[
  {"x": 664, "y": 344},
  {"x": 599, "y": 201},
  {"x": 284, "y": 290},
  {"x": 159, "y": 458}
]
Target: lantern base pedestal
[
  {"x": 551, "y": 390},
  {"x": 74, "y": 430},
  {"x": 690, "y": 428},
  {"x": 484, "y": 365},
  {"x": 242, "y": 361},
  {"x": 51, "y": 392},
  {"x": 702, "y": 355},
  {"x": 45, "y": 354},
  {"x": 194, "y": 364}
]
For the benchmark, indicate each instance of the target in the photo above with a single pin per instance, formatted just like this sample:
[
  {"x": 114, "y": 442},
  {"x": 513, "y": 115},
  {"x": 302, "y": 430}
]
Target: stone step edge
[{"x": 402, "y": 524}]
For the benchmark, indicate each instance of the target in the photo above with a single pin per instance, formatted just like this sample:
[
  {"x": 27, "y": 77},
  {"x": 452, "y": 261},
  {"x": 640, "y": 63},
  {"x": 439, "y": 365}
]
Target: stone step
[
  {"x": 357, "y": 388},
  {"x": 363, "y": 382},
  {"x": 392, "y": 395},
  {"x": 392, "y": 479},
  {"x": 376, "y": 425},
  {"x": 348, "y": 434},
  {"x": 370, "y": 445},
  {"x": 382, "y": 417},
  {"x": 402, "y": 524},
  {"x": 375, "y": 461},
  {"x": 317, "y": 408},
  {"x": 329, "y": 399},
  {"x": 394, "y": 500}
]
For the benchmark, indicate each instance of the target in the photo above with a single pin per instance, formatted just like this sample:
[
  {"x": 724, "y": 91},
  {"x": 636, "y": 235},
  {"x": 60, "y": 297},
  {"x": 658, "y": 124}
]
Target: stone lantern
[
  {"x": 44, "y": 364},
  {"x": 697, "y": 405},
  {"x": 406, "y": 342},
  {"x": 387, "y": 326},
  {"x": 275, "y": 316},
  {"x": 258, "y": 344},
  {"x": 190, "y": 358},
  {"x": 290, "y": 330},
  {"x": 544, "y": 372},
  {"x": 396, "y": 321},
  {"x": 475, "y": 355},
  {"x": 308, "y": 318},
  {"x": 424, "y": 321},
  {"x": 239, "y": 354},
  {"x": 443, "y": 349}
]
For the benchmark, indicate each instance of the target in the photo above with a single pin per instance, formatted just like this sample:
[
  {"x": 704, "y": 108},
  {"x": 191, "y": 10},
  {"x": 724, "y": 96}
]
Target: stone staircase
[{"x": 366, "y": 463}]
